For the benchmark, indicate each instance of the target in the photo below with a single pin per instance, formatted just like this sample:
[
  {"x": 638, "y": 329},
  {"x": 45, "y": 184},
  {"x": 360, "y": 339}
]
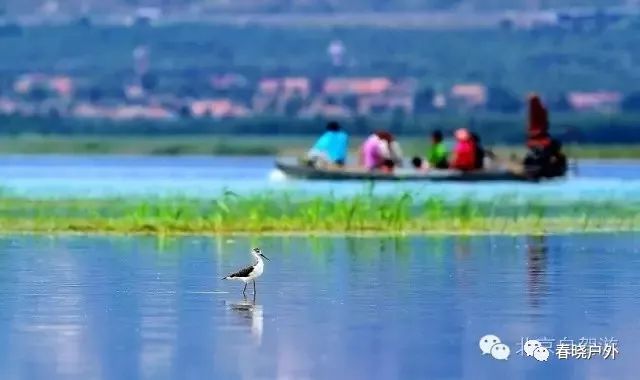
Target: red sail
[{"x": 538, "y": 128}]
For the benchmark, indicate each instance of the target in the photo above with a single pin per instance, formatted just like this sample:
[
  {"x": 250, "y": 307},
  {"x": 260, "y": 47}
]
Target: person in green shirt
[{"x": 437, "y": 155}]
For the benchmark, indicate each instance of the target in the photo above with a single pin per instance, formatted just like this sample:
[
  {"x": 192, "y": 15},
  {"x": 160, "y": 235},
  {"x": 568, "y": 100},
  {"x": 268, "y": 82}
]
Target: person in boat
[
  {"x": 557, "y": 165},
  {"x": 381, "y": 151},
  {"x": 482, "y": 154},
  {"x": 479, "y": 151},
  {"x": 538, "y": 128},
  {"x": 544, "y": 157},
  {"x": 331, "y": 148},
  {"x": 464, "y": 152},
  {"x": 437, "y": 154}
]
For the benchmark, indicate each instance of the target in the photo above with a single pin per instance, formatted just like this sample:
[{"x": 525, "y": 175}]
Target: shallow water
[
  {"x": 356, "y": 308},
  {"x": 81, "y": 176}
]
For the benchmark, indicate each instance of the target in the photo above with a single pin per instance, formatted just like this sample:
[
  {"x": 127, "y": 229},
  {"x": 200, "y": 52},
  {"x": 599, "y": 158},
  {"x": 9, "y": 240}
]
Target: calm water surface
[
  {"x": 47, "y": 176},
  {"x": 327, "y": 308}
]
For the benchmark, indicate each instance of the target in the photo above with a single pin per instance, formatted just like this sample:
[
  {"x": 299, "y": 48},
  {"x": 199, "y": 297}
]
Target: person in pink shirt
[{"x": 380, "y": 151}]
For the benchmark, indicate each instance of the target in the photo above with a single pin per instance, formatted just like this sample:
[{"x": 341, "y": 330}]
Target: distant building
[
  {"x": 439, "y": 101},
  {"x": 134, "y": 92},
  {"x": 384, "y": 104},
  {"x": 296, "y": 86},
  {"x": 468, "y": 95},
  {"x": 141, "y": 112},
  {"x": 140, "y": 60},
  {"x": 275, "y": 95},
  {"x": 23, "y": 84},
  {"x": 336, "y": 51},
  {"x": 373, "y": 95},
  {"x": 269, "y": 86},
  {"x": 594, "y": 18},
  {"x": 218, "y": 108},
  {"x": 8, "y": 106},
  {"x": 602, "y": 101},
  {"x": 228, "y": 81},
  {"x": 357, "y": 86},
  {"x": 147, "y": 15},
  {"x": 27, "y": 82},
  {"x": 320, "y": 108},
  {"x": 61, "y": 85},
  {"x": 529, "y": 20},
  {"x": 89, "y": 111},
  {"x": 122, "y": 112},
  {"x": 58, "y": 85}
]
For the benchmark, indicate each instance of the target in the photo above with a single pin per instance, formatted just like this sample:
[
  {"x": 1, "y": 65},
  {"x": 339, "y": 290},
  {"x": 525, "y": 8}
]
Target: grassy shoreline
[
  {"x": 284, "y": 214},
  {"x": 249, "y": 145}
]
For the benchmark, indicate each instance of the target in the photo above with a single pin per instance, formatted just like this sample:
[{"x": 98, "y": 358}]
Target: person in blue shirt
[{"x": 331, "y": 147}]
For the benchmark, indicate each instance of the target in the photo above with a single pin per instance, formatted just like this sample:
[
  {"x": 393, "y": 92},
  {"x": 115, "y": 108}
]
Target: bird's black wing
[{"x": 245, "y": 272}]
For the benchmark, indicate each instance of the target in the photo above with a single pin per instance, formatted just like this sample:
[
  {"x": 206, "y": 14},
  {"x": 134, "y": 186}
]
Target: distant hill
[
  {"x": 13, "y": 7},
  {"x": 548, "y": 60}
]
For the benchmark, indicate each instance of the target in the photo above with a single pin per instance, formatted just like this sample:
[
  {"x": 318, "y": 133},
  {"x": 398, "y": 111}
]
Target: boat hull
[{"x": 293, "y": 169}]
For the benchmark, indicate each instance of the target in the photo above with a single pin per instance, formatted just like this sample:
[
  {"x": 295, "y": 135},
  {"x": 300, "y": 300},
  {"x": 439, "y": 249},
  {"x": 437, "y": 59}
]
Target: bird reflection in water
[
  {"x": 536, "y": 269},
  {"x": 462, "y": 247},
  {"x": 251, "y": 314}
]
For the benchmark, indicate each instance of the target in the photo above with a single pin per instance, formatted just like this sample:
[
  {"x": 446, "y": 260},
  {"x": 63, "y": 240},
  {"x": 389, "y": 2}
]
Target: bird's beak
[{"x": 264, "y": 256}]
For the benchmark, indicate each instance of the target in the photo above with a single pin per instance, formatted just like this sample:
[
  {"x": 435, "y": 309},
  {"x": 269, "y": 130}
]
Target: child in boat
[
  {"x": 437, "y": 154},
  {"x": 331, "y": 147},
  {"x": 380, "y": 151},
  {"x": 464, "y": 153}
]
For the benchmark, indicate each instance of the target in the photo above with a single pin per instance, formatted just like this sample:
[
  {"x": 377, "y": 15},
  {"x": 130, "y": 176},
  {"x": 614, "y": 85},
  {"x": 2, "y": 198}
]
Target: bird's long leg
[
  {"x": 254, "y": 286},
  {"x": 245, "y": 289}
]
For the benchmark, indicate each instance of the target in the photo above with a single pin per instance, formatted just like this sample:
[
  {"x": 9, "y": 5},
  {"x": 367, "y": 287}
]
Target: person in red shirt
[{"x": 464, "y": 153}]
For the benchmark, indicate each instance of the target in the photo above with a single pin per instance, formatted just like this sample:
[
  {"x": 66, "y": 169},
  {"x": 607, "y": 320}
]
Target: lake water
[
  {"x": 327, "y": 308},
  {"x": 80, "y": 176}
]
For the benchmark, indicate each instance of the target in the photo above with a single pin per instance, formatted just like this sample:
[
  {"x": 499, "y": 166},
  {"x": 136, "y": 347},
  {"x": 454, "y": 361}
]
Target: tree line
[{"x": 493, "y": 128}]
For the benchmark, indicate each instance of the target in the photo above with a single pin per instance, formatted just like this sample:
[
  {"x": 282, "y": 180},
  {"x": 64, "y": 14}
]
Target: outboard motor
[{"x": 546, "y": 162}]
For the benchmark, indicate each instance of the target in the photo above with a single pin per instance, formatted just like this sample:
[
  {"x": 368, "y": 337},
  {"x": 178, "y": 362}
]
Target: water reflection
[
  {"x": 536, "y": 269},
  {"x": 114, "y": 308},
  {"x": 250, "y": 314},
  {"x": 462, "y": 247}
]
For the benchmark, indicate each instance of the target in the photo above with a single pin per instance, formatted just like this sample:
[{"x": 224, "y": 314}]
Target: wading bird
[{"x": 251, "y": 272}]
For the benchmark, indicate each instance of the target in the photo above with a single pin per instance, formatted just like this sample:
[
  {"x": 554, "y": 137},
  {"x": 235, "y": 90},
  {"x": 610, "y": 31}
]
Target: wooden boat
[{"x": 291, "y": 167}]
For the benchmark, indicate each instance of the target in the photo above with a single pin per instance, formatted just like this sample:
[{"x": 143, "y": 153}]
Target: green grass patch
[{"x": 285, "y": 213}]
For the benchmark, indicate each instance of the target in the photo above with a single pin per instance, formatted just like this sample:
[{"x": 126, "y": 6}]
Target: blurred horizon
[
  {"x": 265, "y": 67},
  {"x": 76, "y": 7}
]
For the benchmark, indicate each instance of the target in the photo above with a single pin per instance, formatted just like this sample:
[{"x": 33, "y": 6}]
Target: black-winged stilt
[{"x": 251, "y": 272}]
